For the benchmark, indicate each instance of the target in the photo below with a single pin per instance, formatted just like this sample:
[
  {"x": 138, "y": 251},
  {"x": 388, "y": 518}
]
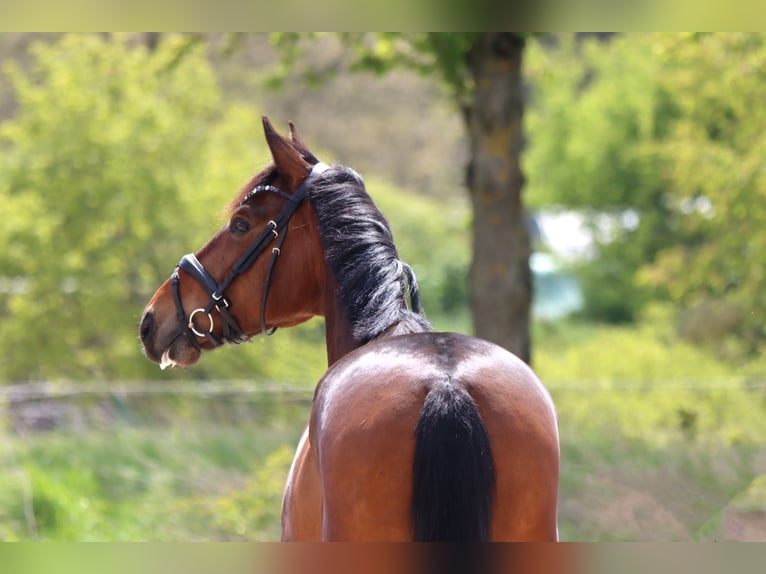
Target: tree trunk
[
  {"x": 500, "y": 277},
  {"x": 152, "y": 40}
]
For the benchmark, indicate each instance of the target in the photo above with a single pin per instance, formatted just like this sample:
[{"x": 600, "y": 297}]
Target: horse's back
[{"x": 366, "y": 413}]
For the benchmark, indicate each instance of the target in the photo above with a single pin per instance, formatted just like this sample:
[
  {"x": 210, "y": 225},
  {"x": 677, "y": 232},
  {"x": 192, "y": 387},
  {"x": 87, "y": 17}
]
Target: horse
[{"x": 414, "y": 434}]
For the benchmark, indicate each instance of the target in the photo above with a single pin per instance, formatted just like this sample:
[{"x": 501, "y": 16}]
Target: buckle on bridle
[{"x": 219, "y": 300}]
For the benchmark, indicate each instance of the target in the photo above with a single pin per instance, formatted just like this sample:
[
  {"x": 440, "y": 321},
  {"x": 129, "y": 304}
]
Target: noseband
[{"x": 276, "y": 230}]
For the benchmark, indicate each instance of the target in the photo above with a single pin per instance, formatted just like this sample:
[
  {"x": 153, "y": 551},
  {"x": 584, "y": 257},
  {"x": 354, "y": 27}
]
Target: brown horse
[{"x": 413, "y": 434}]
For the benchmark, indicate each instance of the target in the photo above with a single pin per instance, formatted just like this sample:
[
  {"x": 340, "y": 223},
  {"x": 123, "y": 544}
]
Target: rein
[{"x": 276, "y": 230}]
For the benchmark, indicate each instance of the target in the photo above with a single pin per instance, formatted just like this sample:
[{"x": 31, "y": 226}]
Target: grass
[
  {"x": 184, "y": 482},
  {"x": 658, "y": 437}
]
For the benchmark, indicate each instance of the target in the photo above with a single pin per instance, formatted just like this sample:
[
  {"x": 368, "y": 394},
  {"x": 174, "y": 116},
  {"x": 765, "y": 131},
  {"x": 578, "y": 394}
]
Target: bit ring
[{"x": 193, "y": 327}]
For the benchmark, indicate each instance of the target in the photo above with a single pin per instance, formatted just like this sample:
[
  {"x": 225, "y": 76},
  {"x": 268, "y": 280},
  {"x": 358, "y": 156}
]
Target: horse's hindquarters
[
  {"x": 526, "y": 453},
  {"x": 521, "y": 421},
  {"x": 364, "y": 423},
  {"x": 366, "y": 451}
]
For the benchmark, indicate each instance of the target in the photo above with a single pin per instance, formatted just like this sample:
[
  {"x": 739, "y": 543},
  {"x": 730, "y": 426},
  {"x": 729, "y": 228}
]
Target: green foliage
[
  {"x": 593, "y": 111},
  {"x": 443, "y": 55},
  {"x": 642, "y": 126},
  {"x": 252, "y": 512},
  {"x": 646, "y": 352},
  {"x": 99, "y": 153},
  {"x": 595, "y": 115},
  {"x": 717, "y": 183}
]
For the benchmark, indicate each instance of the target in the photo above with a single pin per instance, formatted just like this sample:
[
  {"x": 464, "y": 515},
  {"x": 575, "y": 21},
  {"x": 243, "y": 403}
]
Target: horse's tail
[{"x": 454, "y": 476}]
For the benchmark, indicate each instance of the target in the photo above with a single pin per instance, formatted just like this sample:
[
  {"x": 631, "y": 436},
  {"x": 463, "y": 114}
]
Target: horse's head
[{"x": 226, "y": 291}]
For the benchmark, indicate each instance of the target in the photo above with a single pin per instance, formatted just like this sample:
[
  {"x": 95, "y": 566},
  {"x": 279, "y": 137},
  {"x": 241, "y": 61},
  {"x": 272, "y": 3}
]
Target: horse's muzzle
[{"x": 166, "y": 346}]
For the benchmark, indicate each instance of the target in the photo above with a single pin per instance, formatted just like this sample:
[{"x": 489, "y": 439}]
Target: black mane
[{"x": 360, "y": 251}]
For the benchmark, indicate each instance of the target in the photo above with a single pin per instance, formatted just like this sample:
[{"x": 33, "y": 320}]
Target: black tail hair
[{"x": 454, "y": 475}]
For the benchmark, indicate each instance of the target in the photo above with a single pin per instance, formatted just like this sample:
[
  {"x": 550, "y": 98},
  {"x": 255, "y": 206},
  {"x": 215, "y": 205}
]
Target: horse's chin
[{"x": 179, "y": 354}]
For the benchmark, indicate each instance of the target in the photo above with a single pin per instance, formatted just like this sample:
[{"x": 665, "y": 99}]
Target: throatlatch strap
[{"x": 275, "y": 252}]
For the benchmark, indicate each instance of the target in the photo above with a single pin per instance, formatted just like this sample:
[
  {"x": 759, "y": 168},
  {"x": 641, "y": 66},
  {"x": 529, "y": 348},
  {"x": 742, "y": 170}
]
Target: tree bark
[{"x": 500, "y": 276}]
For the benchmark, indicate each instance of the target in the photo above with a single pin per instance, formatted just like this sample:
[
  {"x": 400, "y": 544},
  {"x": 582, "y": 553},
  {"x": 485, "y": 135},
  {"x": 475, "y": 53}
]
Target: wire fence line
[
  {"x": 27, "y": 392},
  {"x": 81, "y": 407}
]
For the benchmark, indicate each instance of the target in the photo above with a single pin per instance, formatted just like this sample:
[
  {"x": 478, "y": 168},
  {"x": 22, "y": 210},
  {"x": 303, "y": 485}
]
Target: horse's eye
[{"x": 239, "y": 226}]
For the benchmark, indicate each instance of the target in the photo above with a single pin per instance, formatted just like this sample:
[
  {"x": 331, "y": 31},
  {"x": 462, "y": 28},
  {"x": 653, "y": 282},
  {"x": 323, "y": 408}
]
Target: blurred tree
[
  {"x": 483, "y": 73},
  {"x": 100, "y": 151},
  {"x": 659, "y": 139},
  {"x": 717, "y": 182},
  {"x": 596, "y": 116}
]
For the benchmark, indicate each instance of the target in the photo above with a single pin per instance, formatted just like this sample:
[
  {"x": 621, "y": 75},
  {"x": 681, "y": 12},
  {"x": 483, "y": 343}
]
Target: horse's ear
[
  {"x": 307, "y": 154},
  {"x": 286, "y": 157},
  {"x": 294, "y": 136}
]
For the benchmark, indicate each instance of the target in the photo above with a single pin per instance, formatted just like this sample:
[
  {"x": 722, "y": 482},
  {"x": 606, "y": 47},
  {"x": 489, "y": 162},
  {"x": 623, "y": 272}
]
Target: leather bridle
[{"x": 276, "y": 230}]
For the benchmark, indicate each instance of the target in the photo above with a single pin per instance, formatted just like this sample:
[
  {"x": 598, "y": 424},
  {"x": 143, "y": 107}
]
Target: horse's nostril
[{"x": 147, "y": 325}]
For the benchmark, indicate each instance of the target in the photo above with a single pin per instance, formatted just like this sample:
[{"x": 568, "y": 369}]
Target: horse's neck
[
  {"x": 338, "y": 335},
  {"x": 338, "y": 332}
]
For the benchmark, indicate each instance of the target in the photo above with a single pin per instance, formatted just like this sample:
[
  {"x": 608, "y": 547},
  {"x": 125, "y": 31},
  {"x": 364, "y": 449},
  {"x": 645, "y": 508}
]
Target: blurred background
[{"x": 645, "y": 190}]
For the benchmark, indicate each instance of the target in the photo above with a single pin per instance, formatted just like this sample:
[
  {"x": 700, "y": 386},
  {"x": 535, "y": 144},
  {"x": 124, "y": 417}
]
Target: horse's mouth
[
  {"x": 166, "y": 361},
  {"x": 180, "y": 352}
]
